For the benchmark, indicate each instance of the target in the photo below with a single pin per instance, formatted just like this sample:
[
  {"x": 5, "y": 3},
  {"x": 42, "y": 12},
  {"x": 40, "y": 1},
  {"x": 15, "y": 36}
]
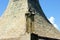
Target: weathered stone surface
[
  {"x": 13, "y": 21},
  {"x": 42, "y": 26},
  {"x": 21, "y": 37}
]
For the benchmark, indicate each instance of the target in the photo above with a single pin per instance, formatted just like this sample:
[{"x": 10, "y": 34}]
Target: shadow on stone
[{"x": 36, "y": 37}]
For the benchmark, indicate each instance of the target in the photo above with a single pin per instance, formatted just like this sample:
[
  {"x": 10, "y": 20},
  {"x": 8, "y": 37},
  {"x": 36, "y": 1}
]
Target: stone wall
[
  {"x": 13, "y": 21},
  {"x": 42, "y": 26}
]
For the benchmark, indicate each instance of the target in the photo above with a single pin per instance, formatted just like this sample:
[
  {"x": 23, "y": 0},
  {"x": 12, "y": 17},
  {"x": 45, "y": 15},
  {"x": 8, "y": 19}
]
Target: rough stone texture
[
  {"x": 45, "y": 29},
  {"x": 13, "y": 21},
  {"x": 42, "y": 26},
  {"x": 21, "y": 37}
]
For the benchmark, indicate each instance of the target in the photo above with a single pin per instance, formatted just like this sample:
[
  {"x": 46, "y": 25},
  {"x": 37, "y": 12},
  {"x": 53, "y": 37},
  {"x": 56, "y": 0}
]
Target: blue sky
[
  {"x": 3, "y": 5},
  {"x": 51, "y": 9}
]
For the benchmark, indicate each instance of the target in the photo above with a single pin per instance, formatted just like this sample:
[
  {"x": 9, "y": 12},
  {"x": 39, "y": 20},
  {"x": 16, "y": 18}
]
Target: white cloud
[{"x": 52, "y": 20}]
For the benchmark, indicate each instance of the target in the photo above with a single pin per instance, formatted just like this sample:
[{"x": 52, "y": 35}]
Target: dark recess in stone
[{"x": 36, "y": 37}]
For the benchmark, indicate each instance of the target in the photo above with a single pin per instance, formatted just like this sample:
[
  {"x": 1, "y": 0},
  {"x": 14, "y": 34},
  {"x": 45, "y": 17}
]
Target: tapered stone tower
[{"x": 25, "y": 20}]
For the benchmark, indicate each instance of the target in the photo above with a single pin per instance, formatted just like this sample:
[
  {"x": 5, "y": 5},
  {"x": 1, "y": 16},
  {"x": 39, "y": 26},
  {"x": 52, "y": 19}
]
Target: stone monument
[{"x": 25, "y": 20}]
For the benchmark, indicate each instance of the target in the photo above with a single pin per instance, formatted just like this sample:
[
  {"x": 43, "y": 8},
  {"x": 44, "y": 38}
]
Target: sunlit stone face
[
  {"x": 13, "y": 22},
  {"x": 15, "y": 0}
]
